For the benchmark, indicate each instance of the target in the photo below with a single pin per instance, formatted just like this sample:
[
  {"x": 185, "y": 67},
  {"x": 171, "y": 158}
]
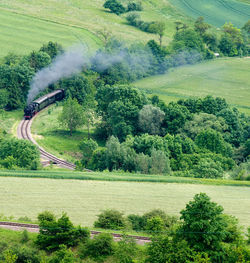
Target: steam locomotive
[{"x": 42, "y": 102}]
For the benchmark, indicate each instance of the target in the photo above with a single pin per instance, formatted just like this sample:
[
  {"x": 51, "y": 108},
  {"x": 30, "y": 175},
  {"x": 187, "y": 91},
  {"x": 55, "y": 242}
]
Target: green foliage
[
  {"x": 207, "y": 168},
  {"x": 203, "y": 226},
  {"x": 21, "y": 153},
  {"x": 125, "y": 250},
  {"x": 9, "y": 257},
  {"x": 155, "y": 225},
  {"x": 80, "y": 88},
  {"x": 38, "y": 60},
  {"x": 111, "y": 219},
  {"x": 162, "y": 249},
  {"x": 53, "y": 233},
  {"x": 72, "y": 115},
  {"x": 119, "y": 107},
  {"x": 3, "y": 98},
  {"x": 203, "y": 121},
  {"x": 98, "y": 248},
  {"x": 159, "y": 163},
  {"x": 115, "y": 6},
  {"x": 25, "y": 236},
  {"x": 52, "y": 49},
  {"x": 16, "y": 81},
  {"x": 134, "y": 6},
  {"x": 200, "y": 26},
  {"x": 63, "y": 255},
  {"x": 214, "y": 142},
  {"x": 150, "y": 119},
  {"x": 87, "y": 148}
]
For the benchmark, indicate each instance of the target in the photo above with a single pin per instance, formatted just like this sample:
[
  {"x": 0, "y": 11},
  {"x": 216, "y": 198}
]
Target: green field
[
  {"x": 21, "y": 34},
  {"x": 48, "y": 133},
  {"x": 10, "y": 120},
  {"x": 216, "y": 12},
  {"x": 25, "y": 25},
  {"x": 226, "y": 78},
  {"x": 83, "y": 200}
]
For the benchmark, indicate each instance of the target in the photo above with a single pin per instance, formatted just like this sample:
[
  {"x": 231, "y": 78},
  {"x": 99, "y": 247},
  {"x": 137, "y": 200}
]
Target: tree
[
  {"x": 200, "y": 26},
  {"x": 203, "y": 121},
  {"x": 39, "y": 60},
  {"x": 3, "y": 98},
  {"x": 105, "y": 34},
  {"x": 159, "y": 163},
  {"x": 157, "y": 28},
  {"x": 203, "y": 226},
  {"x": 54, "y": 233},
  {"x": 52, "y": 49},
  {"x": 72, "y": 115},
  {"x": 150, "y": 119},
  {"x": 87, "y": 148},
  {"x": 214, "y": 142},
  {"x": 21, "y": 153},
  {"x": 110, "y": 219},
  {"x": 115, "y": 7}
]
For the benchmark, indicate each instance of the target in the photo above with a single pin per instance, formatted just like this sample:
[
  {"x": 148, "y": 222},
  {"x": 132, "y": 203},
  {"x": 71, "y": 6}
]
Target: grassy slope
[
  {"x": 21, "y": 34},
  {"x": 216, "y": 12},
  {"x": 47, "y": 132},
  {"x": 83, "y": 200},
  {"x": 227, "y": 78},
  {"x": 10, "y": 120},
  {"x": 28, "y": 24}
]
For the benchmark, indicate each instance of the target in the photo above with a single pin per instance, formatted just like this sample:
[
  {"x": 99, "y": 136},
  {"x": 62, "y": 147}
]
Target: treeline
[
  {"x": 203, "y": 233},
  {"x": 201, "y": 137}
]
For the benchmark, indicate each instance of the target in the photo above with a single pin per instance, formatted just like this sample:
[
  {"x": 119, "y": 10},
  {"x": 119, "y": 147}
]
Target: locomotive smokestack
[{"x": 65, "y": 65}]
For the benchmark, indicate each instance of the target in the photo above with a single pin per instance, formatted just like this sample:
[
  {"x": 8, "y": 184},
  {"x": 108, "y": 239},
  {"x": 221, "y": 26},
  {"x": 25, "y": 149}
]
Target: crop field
[
  {"x": 216, "y": 12},
  {"x": 226, "y": 78},
  {"x": 84, "y": 200}
]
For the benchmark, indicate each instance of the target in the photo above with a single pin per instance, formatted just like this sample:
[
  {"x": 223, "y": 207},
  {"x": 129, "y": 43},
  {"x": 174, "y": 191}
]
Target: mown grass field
[
  {"x": 216, "y": 12},
  {"x": 227, "y": 78},
  {"x": 21, "y": 34},
  {"x": 83, "y": 200},
  {"x": 10, "y": 120}
]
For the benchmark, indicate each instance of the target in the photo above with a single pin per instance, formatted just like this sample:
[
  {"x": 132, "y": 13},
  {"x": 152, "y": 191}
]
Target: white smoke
[{"x": 65, "y": 65}]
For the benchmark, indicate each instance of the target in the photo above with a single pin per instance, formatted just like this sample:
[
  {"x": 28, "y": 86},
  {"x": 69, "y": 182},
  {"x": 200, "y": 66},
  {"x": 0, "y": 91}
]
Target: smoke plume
[{"x": 65, "y": 65}]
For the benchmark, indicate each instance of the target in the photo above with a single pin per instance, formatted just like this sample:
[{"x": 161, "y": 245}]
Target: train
[{"x": 42, "y": 102}]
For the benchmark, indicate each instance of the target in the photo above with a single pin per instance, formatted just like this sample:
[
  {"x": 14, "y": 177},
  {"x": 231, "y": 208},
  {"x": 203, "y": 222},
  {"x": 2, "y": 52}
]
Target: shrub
[
  {"x": 111, "y": 219},
  {"x": 133, "y": 6},
  {"x": 53, "y": 233},
  {"x": 138, "y": 222},
  {"x": 155, "y": 225},
  {"x": 207, "y": 168},
  {"x": 115, "y": 7},
  {"x": 98, "y": 248}
]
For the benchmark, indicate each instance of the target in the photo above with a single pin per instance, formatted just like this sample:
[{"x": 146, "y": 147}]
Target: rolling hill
[
  {"x": 227, "y": 78},
  {"x": 216, "y": 12}
]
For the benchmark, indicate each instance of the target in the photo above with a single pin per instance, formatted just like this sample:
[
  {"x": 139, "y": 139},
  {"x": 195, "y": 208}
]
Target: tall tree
[
  {"x": 203, "y": 227},
  {"x": 158, "y": 28},
  {"x": 72, "y": 115}
]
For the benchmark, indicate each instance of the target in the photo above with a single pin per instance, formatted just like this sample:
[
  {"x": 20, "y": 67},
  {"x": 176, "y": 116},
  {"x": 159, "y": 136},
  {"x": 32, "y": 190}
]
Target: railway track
[
  {"x": 24, "y": 133},
  {"x": 35, "y": 228}
]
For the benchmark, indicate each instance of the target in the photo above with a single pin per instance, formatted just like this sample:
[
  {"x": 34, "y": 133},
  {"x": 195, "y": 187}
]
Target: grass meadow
[
  {"x": 226, "y": 77},
  {"x": 216, "y": 12},
  {"x": 83, "y": 200},
  {"x": 21, "y": 34},
  {"x": 49, "y": 134},
  {"x": 9, "y": 121},
  {"x": 28, "y": 24}
]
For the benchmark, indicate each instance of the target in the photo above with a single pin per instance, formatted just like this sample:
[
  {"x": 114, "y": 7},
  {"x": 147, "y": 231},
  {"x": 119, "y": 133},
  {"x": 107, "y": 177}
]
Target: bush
[
  {"x": 133, "y": 6},
  {"x": 115, "y": 7},
  {"x": 207, "y": 168},
  {"x": 98, "y": 248},
  {"x": 53, "y": 233},
  {"x": 111, "y": 219}
]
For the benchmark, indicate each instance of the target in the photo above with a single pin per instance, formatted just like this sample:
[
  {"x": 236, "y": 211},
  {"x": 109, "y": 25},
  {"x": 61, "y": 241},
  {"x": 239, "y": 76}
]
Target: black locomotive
[{"x": 42, "y": 102}]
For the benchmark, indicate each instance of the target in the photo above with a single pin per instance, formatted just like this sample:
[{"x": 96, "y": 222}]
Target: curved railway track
[
  {"x": 35, "y": 228},
  {"x": 24, "y": 133}
]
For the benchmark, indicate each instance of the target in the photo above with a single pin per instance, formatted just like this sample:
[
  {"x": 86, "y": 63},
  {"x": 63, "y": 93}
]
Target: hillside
[
  {"x": 216, "y": 12},
  {"x": 227, "y": 78},
  {"x": 28, "y": 24}
]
